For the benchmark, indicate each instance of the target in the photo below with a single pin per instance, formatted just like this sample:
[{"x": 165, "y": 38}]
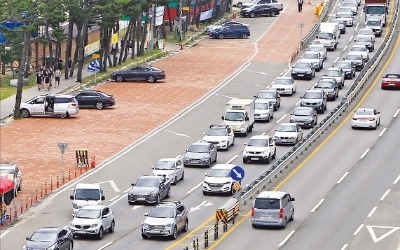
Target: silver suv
[
  {"x": 259, "y": 148},
  {"x": 166, "y": 219},
  {"x": 12, "y": 172},
  {"x": 315, "y": 98}
]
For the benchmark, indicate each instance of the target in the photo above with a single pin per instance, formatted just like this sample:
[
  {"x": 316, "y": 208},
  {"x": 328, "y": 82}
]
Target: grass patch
[{"x": 6, "y": 90}]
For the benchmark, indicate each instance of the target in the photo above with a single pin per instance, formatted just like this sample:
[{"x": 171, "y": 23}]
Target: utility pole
[{"x": 180, "y": 22}]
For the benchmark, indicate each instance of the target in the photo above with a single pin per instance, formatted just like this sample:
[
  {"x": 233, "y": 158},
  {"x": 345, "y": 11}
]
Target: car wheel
[
  {"x": 168, "y": 193},
  {"x": 183, "y": 175},
  {"x": 175, "y": 181},
  {"x": 62, "y": 116},
  {"x": 269, "y": 118},
  {"x": 174, "y": 234},
  {"x": 119, "y": 78},
  {"x": 205, "y": 193},
  {"x": 19, "y": 187},
  {"x": 275, "y": 107},
  {"x": 186, "y": 226},
  {"x": 284, "y": 223},
  {"x": 273, "y": 14},
  {"x": 252, "y": 15},
  {"x": 292, "y": 217},
  {"x": 145, "y": 236},
  {"x": 233, "y": 142},
  {"x": 24, "y": 113},
  {"x": 244, "y": 160},
  {"x": 274, "y": 155},
  {"x": 112, "y": 226},
  {"x": 99, "y": 105},
  {"x": 158, "y": 199},
  {"x": 71, "y": 245},
  {"x": 100, "y": 233},
  {"x": 239, "y": 5},
  {"x": 15, "y": 192},
  {"x": 221, "y": 36},
  {"x": 151, "y": 79},
  {"x": 268, "y": 160}
]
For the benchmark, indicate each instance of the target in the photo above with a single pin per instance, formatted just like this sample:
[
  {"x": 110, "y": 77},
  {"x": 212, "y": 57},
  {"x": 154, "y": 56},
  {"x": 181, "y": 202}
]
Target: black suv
[
  {"x": 149, "y": 189},
  {"x": 259, "y": 10},
  {"x": 271, "y": 95},
  {"x": 348, "y": 68},
  {"x": 315, "y": 98},
  {"x": 232, "y": 31},
  {"x": 166, "y": 219},
  {"x": 303, "y": 69},
  {"x": 50, "y": 238},
  {"x": 330, "y": 86}
]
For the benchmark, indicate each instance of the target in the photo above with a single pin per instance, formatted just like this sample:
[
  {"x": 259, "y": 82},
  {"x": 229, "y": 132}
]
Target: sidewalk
[{"x": 7, "y": 105}]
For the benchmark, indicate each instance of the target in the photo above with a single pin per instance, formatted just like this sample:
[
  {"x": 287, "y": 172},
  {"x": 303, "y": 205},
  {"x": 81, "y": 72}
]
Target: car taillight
[
  {"x": 252, "y": 211},
  {"x": 73, "y": 104},
  {"x": 372, "y": 119},
  {"x": 281, "y": 213}
]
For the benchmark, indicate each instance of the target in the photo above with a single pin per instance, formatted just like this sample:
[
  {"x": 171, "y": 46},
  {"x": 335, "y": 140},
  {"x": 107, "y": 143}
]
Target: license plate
[
  {"x": 140, "y": 199},
  {"x": 391, "y": 84},
  {"x": 254, "y": 159},
  {"x": 155, "y": 231},
  {"x": 266, "y": 217},
  {"x": 195, "y": 161},
  {"x": 300, "y": 74}
]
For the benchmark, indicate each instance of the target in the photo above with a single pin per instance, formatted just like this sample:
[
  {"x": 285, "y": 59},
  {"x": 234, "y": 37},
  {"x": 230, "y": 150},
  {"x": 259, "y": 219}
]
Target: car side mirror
[
  {"x": 246, "y": 118},
  {"x": 222, "y": 117},
  {"x": 28, "y": 238},
  {"x": 378, "y": 112},
  {"x": 185, "y": 150},
  {"x": 316, "y": 37},
  {"x": 133, "y": 184},
  {"x": 146, "y": 214},
  {"x": 71, "y": 197},
  {"x": 103, "y": 198},
  {"x": 206, "y": 174},
  {"x": 292, "y": 199}
]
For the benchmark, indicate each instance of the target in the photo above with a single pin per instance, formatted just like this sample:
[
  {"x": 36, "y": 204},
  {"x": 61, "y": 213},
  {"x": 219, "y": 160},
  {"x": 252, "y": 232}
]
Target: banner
[
  {"x": 92, "y": 48},
  {"x": 206, "y": 15},
  {"x": 114, "y": 38}
]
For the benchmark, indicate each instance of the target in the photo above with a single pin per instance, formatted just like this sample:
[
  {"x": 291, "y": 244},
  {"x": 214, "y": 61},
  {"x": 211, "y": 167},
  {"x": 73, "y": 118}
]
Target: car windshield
[
  {"x": 258, "y": 143},
  {"x": 44, "y": 236},
  {"x": 313, "y": 95},
  {"x": 375, "y": 10},
  {"x": 262, "y": 106},
  {"x": 147, "y": 182},
  {"x": 323, "y": 35},
  {"x": 87, "y": 194},
  {"x": 325, "y": 85},
  {"x": 88, "y": 214},
  {"x": 162, "y": 212},
  {"x": 234, "y": 116},
  {"x": 315, "y": 48},
  {"x": 216, "y": 172},
  {"x": 286, "y": 128},
  {"x": 164, "y": 165},
  {"x": 373, "y": 23},
  {"x": 332, "y": 73},
  {"x": 302, "y": 65},
  {"x": 364, "y": 112},
  {"x": 358, "y": 48},
  {"x": 391, "y": 76},
  {"x": 6, "y": 171},
  {"x": 266, "y": 203},
  {"x": 266, "y": 95},
  {"x": 345, "y": 15},
  {"x": 310, "y": 56},
  {"x": 353, "y": 57},
  {"x": 198, "y": 148},
  {"x": 302, "y": 112},
  {"x": 285, "y": 81},
  {"x": 344, "y": 65},
  {"x": 337, "y": 21},
  {"x": 363, "y": 39},
  {"x": 217, "y": 132}
]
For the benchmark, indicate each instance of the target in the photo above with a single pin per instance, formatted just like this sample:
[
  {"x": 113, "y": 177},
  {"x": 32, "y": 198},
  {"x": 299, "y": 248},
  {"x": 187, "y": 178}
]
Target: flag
[{"x": 94, "y": 66}]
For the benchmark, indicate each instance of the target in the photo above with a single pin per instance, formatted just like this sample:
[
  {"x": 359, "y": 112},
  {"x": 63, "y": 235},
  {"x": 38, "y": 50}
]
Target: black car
[
  {"x": 365, "y": 40},
  {"x": 139, "y": 73},
  {"x": 271, "y": 95},
  {"x": 303, "y": 69},
  {"x": 305, "y": 117},
  {"x": 348, "y": 68},
  {"x": 210, "y": 28},
  {"x": 149, "y": 189},
  {"x": 357, "y": 60},
  {"x": 232, "y": 31},
  {"x": 50, "y": 238},
  {"x": 259, "y": 10},
  {"x": 94, "y": 99},
  {"x": 330, "y": 86}
]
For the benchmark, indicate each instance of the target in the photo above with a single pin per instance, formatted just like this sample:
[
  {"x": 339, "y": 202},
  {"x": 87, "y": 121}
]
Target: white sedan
[
  {"x": 284, "y": 85},
  {"x": 366, "y": 118}
]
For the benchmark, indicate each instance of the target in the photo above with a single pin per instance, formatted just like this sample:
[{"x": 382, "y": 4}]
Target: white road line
[
  {"x": 278, "y": 121},
  {"x": 345, "y": 48},
  {"x": 383, "y": 131},
  {"x": 341, "y": 178},
  {"x": 113, "y": 198},
  {"x": 137, "y": 207},
  {"x": 176, "y": 133},
  {"x": 297, "y": 103},
  {"x": 397, "y": 180},
  {"x": 365, "y": 153},
  {"x": 395, "y": 114},
  {"x": 191, "y": 190},
  {"x": 385, "y": 194},
  {"x": 126, "y": 191},
  {"x": 120, "y": 198},
  {"x": 286, "y": 239},
  {"x": 316, "y": 206},
  {"x": 344, "y": 247},
  {"x": 106, "y": 245},
  {"x": 232, "y": 159},
  {"x": 351, "y": 38},
  {"x": 337, "y": 58},
  {"x": 357, "y": 26},
  {"x": 372, "y": 212},
  {"x": 4, "y": 234},
  {"x": 358, "y": 229},
  {"x": 114, "y": 186}
]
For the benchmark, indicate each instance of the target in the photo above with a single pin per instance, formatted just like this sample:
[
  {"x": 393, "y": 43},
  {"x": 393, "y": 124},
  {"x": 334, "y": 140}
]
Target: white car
[
  {"x": 218, "y": 180},
  {"x": 352, "y": 5},
  {"x": 50, "y": 105},
  {"x": 318, "y": 48},
  {"x": 285, "y": 85},
  {"x": 288, "y": 133},
  {"x": 263, "y": 110},
  {"x": 347, "y": 18},
  {"x": 220, "y": 135},
  {"x": 367, "y": 32},
  {"x": 376, "y": 25},
  {"x": 93, "y": 220},
  {"x": 337, "y": 73},
  {"x": 170, "y": 168},
  {"x": 259, "y": 148},
  {"x": 362, "y": 49},
  {"x": 366, "y": 118}
]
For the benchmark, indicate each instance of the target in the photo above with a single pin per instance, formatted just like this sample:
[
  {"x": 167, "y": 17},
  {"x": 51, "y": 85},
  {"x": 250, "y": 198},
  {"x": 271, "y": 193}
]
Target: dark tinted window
[
  {"x": 267, "y": 203},
  {"x": 63, "y": 100}
]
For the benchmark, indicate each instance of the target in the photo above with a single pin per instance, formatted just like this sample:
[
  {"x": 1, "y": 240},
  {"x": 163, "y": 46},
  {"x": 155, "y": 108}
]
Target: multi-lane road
[{"x": 337, "y": 187}]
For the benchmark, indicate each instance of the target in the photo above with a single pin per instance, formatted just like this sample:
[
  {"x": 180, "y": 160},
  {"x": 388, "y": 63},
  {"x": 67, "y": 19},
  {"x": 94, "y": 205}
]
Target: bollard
[
  {"x": 36, "y": 195},
  {"x": 63, "y": 178},
  {"x": 58, "y": 181},
  {"x": 41, "y": 192},
  {"x": 80, "y": 169},
  {"x": 181, "y": 46},
  {"x": 22, "y": 209},
  {"x": 74, "y": 172},
  {"x": 206, "y": 239},
  {"x": 194, "y": 244},
  {"x": 216, "y": 231},
  {"x": 15, "y": 213},
  {"x": 26, "y": 204},
  {"x": 51, "y": 185},
  {"x": 45, "y": 188},
  {"x": 197, "y": 243},
  {"x": 69, "y": 174},
  {"x": 31, "y": 201},
  {"x": 10, "y": 215}
]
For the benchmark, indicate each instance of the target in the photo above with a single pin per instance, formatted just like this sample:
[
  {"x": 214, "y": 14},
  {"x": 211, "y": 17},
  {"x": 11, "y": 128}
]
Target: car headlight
[
  {"x": 153, "y": 194},
  {"x": 292, "y": 120},
  {"x": 309, "y": 71},
  {"x": 74, "y": 205},
  {"x": 170, "y": 174},
  {"x": 94, "y": 225},
  {"x": 319, "y": 103},
  {"x": 205, "y": 158},
  {"x": 332, "y": 43},
  {"x": 223, "y": 141},
  {"x": 227, "y": 183},
  {"x": 145, "y": 226},
  {"x": 71, "y": 224},
  {"x": 24, "y": 247},
  {"x": 169, "y": 225},
  {"x": 276, "y": 137},
  {"x": 52, "y": 247}
]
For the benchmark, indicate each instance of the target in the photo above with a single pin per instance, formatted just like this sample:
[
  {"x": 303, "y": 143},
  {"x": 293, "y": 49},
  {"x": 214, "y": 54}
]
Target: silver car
[
  {"x": 318, "y": 48},
  {"x": 337, "y": 73},
  {"x": 13, "y": 173},
  {"x": 272, "y": 208}
]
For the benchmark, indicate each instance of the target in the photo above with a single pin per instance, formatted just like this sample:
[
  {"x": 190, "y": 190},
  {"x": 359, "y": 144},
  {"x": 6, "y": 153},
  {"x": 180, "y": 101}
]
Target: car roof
[
  {"x": 333, "y": 68},
  {"x": 262, "y": 101},
  {"x": 94, "y": 207},
  {"x": 289, "y": 77},
  {"x": 56, "y": 95},
  {"x": 314, "y": 90},
  {"x": 151, "y": 177},
  {"x": 262, "y": 136},
  {"x": 305, "y": 108},
  {"x": 201, "y": 143},
  {"x": 88, "y": 185},
  {"x": 271, "y": 194},
  {"x": 223, "y": 166},
  {"x": 4, "y": 165},
  {"x": 219, "y": 126},
  {"x": 369, "y": 109},
  {"x": 48, "y": 229}
]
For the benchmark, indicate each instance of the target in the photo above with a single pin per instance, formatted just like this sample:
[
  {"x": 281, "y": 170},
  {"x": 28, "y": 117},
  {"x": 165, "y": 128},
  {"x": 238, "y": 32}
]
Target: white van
[
  {"x": 86, "y": 194},
  {"x": 330, "y": 27},
  {"x": 50, "y": 105}
]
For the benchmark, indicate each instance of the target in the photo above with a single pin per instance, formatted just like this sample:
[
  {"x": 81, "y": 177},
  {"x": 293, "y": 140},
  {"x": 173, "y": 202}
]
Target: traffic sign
[
  {"x": 94, "y": 66},
  {"x": 62, "y": 146},
  {"x": 236, "y": 186},
  {"x": 237, "y": 173}
]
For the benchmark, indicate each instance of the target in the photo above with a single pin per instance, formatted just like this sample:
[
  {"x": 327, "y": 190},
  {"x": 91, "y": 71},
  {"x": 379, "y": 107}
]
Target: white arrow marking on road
[
  {"x": 136, "y": 207},
  {"x": 203, "y": 204},
  {"x": 257, "y": 72},
  {"x": 113, "y": 185},
  {"x": 238, "y": 175},
  {"x": 178, "y": 133},
  {"x": 373, "y": 235}
]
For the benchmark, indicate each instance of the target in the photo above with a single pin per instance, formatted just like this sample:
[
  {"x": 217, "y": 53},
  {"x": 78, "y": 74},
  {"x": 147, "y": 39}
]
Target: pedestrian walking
[
  {"x": 47, "y": 79},
  {"x": 57, "y": 75},
  {"x": 300, "y": 5},
  {"x": 39, "y": 78}
]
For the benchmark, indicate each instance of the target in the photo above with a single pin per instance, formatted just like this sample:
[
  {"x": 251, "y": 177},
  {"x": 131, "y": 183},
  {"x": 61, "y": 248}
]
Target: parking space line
[
  {"x": 341, "y": 178},
  {"x": 385, "y": 194},
  {"x": 365, "y": 153},
  {"x": 113, "y": 198},
  {"x": 358, "y": 229},
  {"x": 286, "y": 239},
  {"x": 316, "y": 206},
  {"x": 232, "y": 159},
  {"x": 4, "y": 234},
  {"x": 383, "y": 131},
  {"x": 372, "y": 212},
  {"x": 351, "y": 38}
]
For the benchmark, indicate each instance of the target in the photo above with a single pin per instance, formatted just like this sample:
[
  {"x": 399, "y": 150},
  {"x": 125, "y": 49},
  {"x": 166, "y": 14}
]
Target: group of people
[{"x": 45, "y": 77}]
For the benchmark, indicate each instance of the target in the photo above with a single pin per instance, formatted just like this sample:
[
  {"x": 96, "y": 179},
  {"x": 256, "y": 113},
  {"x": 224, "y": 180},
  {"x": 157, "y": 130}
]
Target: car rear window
[
  {"x": 64, "y": 99},
  {"x": 267, "y": 203}
]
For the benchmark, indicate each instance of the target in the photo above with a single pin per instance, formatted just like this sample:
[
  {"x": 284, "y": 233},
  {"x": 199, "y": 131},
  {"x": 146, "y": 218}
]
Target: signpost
[
  {"x": 94, "y": 66},
  {"x": 62, "y": 146},
  {"x": 237, "y": 174}
]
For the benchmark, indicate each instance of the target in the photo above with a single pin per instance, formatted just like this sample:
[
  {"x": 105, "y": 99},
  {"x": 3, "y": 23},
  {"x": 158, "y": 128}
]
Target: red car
[{"x": 391, "y": 81}]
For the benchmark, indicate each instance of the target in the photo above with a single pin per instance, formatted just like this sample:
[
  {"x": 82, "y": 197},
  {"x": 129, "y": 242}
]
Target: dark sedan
[
  {"x": 139, "y": 73},
  {"x": 348, "y": 68},
  {"x": 330, "y": 86},
  {"x": 303, "y": 69},
  {"x": 357, "y": 60},
  {"x": 94, "y": 99},
  {"x": 305, "y": 117},
  {"x": 149, "y": 189},
  {"x": 50, "y": 238},
  {"x": 259, "y": 10}
]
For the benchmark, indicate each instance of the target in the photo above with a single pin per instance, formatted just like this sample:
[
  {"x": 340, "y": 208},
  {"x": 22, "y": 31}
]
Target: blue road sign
[
  {"x": 94, "y": 66},
  {"x": 237, "y": 173}
]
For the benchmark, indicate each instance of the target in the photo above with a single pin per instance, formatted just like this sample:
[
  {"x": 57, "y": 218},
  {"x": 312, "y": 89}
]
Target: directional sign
[
  {"x": 62, "y": 146},
  {"x": 237, "y": 173}
]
